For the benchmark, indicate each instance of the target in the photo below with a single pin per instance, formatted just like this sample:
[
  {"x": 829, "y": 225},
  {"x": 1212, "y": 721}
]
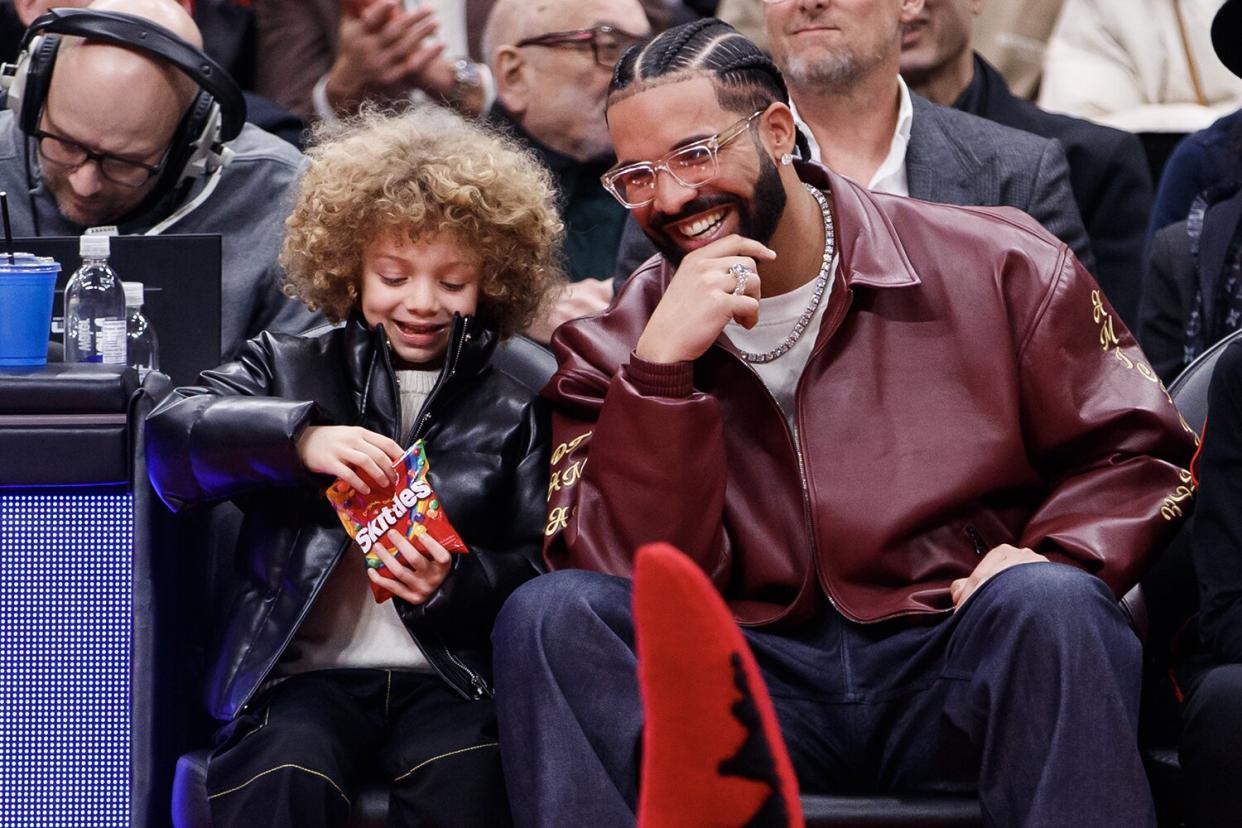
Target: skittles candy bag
[{"x": 410, "y": 506}]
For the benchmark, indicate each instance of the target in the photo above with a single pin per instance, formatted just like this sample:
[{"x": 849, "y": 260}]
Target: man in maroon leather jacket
[{"x": 920, "y": 474}]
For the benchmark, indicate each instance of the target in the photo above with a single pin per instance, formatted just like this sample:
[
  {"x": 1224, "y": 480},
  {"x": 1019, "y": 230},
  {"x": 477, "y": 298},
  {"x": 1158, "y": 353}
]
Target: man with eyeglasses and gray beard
[{"x": 551, "y": 61}]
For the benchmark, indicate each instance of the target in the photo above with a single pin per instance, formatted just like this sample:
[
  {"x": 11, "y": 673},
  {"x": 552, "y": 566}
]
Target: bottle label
[
  {"x": 86, "y": 341},
  {"x": 112, "y": 341}
]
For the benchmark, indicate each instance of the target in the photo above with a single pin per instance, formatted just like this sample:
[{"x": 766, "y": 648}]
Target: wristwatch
[{"x": 467, "y": 86}]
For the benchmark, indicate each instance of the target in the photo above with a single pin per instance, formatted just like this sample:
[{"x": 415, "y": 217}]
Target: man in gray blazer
[{"x": 841, "y": 64}]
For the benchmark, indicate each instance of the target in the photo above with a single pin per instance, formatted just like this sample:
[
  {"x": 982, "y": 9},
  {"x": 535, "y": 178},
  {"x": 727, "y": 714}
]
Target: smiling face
[
  {"x": 413, "y": 288},
  {"x": 818, "y": 43},
  {"x": 747, "y": 196}
]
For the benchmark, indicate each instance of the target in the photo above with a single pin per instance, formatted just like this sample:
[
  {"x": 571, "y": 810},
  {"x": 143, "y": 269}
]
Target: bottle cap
[
  {"x": 133, "y": 294},
  {"x": 93, "y": 247}
]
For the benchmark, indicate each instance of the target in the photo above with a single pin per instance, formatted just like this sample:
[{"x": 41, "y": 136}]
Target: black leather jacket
[{"x": 233, "y": 438}]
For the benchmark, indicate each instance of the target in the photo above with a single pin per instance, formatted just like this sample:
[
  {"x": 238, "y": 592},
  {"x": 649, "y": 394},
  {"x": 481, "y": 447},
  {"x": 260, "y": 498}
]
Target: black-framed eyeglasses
[
  {"x": 69, "y": 153},
  {"x": 690, "y": 166},
  {"x": 607, "y": 43}
]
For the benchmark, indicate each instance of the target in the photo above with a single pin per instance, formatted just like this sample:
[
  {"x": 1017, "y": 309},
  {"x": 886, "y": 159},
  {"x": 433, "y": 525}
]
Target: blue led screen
[{"x": 65, "y": 603}]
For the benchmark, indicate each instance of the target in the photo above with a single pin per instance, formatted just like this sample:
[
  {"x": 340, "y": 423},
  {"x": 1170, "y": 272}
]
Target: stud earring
[{"x": 786, "y": 159}]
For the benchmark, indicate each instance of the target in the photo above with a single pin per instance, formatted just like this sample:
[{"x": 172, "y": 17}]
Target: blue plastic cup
[{"x": 27, "y": 286}]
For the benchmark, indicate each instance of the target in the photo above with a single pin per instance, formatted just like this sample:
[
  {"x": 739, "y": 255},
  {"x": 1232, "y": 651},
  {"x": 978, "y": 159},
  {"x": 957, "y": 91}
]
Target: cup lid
[{"x": 28, "y": 263}]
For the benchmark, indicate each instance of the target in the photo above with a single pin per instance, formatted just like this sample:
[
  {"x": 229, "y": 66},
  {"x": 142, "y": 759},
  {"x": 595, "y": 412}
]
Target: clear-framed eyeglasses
[
  {"x": 607, "y": 43},
  {"x": 690, "y": 166},
  {"x": 68, "y": 153}
]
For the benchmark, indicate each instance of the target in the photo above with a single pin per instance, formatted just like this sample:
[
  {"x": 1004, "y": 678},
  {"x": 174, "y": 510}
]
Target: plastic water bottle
[
  {"x": 142, "y": 345},
  {"x": 95, "y": 307}
]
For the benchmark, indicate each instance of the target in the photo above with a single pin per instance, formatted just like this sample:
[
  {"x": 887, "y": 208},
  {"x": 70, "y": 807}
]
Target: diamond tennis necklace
[{"x": 821, "y": 282}]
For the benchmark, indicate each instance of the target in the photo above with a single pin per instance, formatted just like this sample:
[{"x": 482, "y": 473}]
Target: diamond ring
[{"x": 742, "y": 274}]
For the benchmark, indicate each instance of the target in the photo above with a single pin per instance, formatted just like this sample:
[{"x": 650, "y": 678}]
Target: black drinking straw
[{"x": 8, "y": 228}]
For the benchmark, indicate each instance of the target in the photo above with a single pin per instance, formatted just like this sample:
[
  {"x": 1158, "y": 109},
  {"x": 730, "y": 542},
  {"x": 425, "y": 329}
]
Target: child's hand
[
  {"x": 415, "y": 575},
  {"x": 354, "y": 454}
]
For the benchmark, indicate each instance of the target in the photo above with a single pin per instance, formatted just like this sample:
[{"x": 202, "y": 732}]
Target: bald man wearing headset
[{"x": 115, "y": 116}]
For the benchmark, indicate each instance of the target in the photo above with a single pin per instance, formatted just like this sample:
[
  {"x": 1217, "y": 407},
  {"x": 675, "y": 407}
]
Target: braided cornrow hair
[{"x": 745, "y": 77}]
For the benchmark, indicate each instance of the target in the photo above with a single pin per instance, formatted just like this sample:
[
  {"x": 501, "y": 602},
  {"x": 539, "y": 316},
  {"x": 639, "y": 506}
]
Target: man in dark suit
[
  {"x": 1108, "y": 171},
  {"x": 841, "y": 65}
]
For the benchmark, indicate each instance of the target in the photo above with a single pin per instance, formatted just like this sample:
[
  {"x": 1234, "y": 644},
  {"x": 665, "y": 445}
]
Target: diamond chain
[{"x": 821, "y": 282}]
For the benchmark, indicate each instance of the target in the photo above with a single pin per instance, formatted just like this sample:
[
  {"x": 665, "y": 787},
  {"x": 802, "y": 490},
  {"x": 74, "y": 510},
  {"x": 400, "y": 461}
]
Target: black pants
[
  {"x": 297, "y": 756},
  {"x": 1211, "y": 741}
]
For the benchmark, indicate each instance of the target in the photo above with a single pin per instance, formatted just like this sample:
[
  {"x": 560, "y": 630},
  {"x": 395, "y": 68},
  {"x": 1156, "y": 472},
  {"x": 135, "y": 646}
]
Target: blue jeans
[{"x": 1028, "y": 696}]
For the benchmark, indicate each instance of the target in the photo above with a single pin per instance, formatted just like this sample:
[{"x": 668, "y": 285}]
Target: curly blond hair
[{"x": 424, "y": 171}]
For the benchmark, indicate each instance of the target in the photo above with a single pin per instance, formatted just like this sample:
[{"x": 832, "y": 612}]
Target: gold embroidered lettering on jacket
[
  {"x": 566, "y": 478},
  {"x": 558, "y": 519},
  {"x": 1110, "y": 342},
  {"x": 1171, "y": 507},
  {"x": 565, "y": 448}
]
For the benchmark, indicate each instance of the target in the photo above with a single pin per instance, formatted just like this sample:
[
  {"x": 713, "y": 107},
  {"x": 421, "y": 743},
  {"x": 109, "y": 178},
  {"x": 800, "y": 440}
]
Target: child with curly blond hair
[{"x": 431, "y": 240}]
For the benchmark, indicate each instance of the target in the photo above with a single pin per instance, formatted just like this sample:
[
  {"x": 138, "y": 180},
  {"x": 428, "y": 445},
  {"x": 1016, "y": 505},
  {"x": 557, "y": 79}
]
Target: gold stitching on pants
[
  {"x": 387, "y": 693},
  {"x": 444, "y": 756},
  {"x": 323, "y": 776}
]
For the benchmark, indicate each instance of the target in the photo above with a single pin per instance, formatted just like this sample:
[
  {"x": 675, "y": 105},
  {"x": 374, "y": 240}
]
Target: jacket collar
[
  {"x": 870, "y": 249},
  {"x": 987, "y": 93},
  {"x": 370, "y": 367}
]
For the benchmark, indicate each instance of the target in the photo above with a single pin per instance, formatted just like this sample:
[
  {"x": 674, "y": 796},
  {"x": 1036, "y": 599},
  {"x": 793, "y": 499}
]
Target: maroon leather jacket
[{"x": 970, "y": 387}]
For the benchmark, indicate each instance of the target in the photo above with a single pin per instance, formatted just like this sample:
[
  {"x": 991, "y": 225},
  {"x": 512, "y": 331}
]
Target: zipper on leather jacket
[
  {"x": 791, "y": 434},
  {"x": 450, "y": 369},
  {"x": 476, "y": 681},
  {"x": 458, "y": 337},
  {"x": 981, "y": 548}
]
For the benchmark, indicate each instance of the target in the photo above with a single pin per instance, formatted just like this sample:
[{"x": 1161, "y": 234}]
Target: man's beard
[
  {"x": 757, "y": 217},
  {"x": 836, "y": 72}
]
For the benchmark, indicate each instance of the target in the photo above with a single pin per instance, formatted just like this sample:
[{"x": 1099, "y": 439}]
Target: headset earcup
[
  {"x": 34, "y": 78},
  {"x": 194, "y": 139}
]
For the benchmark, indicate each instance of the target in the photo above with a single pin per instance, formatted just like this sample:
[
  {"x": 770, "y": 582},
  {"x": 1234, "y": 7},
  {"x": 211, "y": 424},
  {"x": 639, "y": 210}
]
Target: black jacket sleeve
[
  {"x": 1217, "y": 534},
  {"x": 226, "y": 436}
]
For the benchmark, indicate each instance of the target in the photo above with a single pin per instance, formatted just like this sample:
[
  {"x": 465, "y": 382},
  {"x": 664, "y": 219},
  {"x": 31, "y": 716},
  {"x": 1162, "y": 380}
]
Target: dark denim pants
[{"x": 1028, "y": 696}]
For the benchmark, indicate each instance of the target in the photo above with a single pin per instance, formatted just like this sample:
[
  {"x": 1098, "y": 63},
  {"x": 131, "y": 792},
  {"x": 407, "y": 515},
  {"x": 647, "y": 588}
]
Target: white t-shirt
[{"x": 777, "y": 317}]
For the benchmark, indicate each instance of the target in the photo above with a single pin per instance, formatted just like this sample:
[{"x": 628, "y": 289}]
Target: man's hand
[
  {"x": 999, "y": 559},
  {"x": 700, "y": 301},
  {"x": 415, "y": 575},
  {"x": 384, "y": 52},
  {"x": 584, "y": 298},
  {"x": 353, "y": 454}
]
